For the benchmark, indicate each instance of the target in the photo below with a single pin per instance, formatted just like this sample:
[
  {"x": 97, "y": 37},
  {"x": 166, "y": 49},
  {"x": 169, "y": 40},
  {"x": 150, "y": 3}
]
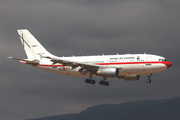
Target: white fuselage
[{"x": 128, "y": 64}]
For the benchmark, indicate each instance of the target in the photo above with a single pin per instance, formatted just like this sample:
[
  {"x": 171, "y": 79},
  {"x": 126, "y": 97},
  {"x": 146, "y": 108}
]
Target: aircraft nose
[{"x": 168, "y": 64}]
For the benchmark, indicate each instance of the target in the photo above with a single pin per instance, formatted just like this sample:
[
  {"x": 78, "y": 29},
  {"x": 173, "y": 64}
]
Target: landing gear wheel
[
  {"x": 148, "y": 80},
  {"x": 101, "y": 82},
  {"x": 88, "y": 81},
  {"x": 106, "y": 83},
  {"x": 93, "y": 81}
]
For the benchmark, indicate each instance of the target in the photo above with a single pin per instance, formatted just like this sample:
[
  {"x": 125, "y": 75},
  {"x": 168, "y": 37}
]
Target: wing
[
  {"x": 85, "y": 67},
  {"x": 74, "y": 64}
]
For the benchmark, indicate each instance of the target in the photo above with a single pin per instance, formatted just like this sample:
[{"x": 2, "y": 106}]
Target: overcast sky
[{"x": 84, "y": 27}]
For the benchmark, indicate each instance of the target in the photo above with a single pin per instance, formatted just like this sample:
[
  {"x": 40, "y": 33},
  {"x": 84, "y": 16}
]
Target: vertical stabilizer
[{"x": 31, "y": 46}]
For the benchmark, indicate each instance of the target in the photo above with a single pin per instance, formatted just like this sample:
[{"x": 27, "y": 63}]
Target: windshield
[{"x": 162, "y": 60}]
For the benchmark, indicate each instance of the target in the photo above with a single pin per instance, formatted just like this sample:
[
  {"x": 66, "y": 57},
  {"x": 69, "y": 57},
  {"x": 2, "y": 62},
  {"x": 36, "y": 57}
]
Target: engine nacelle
[
  {"x": 108, "y": 72},
  {"x": 130, "y": 77}
]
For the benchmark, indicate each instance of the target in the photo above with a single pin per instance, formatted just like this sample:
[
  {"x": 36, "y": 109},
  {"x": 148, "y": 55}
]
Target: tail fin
[{"x": 31, "y": 46}]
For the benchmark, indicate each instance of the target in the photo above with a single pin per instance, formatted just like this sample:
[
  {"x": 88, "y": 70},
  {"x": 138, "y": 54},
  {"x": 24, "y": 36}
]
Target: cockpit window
[{"x": 162, "y": 60}]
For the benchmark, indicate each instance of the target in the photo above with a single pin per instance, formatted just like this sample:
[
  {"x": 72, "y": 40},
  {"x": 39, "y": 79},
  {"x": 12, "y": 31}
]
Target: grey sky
[{"x": 78, "y": 27}]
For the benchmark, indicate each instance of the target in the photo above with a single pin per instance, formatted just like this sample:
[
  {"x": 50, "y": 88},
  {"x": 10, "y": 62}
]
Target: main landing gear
[
  {"x": 149, "y": 80},
  {"x": 104, "y": 82},
  {"x": 90, "y": 78},
  {"x": 90, "y": 81}
]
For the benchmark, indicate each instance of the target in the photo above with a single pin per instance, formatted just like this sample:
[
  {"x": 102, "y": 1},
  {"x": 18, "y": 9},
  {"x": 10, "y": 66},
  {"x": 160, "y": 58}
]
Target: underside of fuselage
[{"x": 139, "y": 69}]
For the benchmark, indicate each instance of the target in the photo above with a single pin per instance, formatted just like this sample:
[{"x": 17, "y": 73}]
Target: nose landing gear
[{"x": 149, "y": 80}]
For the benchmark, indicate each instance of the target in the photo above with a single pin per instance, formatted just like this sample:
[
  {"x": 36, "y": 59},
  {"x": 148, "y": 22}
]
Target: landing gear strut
[
  {"x": 90, "y": 78},
  {"x": 149, "y": 80},
  {"x": 104, "y": 82}
]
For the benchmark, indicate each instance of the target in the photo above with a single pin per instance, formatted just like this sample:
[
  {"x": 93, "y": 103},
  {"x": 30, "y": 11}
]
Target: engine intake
[{"x": 108, "y": 72}]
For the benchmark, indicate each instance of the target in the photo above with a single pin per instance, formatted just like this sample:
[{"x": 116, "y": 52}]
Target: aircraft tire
[
  {"x": 148, "y": 80},
  {"x": 101, "y": 82},
  {"x": 106, "y": 83},
  {"x": 93, "y": 81},
  {"x": 88, "y": 81}
]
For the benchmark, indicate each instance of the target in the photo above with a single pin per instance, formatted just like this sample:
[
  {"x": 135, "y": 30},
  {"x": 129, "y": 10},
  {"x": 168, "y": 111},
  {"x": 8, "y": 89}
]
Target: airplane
[{"x": 127, "y": 66}]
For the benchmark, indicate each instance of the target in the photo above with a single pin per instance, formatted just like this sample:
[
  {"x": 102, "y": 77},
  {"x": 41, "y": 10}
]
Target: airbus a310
[{"x": 127, "y": 66}]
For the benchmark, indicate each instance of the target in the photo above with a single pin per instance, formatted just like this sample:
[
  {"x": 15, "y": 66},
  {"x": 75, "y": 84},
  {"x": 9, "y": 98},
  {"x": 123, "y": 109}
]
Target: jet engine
[
  {"x": 130, "y": 77},
  {"x": 108, "y": 72}
]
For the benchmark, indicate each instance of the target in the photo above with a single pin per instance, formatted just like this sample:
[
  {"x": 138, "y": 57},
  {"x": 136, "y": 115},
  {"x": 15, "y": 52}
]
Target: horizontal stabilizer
[{"x": 26, "y": 61}]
